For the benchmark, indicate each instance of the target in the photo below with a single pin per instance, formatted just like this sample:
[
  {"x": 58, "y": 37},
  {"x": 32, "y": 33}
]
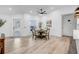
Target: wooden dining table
[{"x": 41, "y": 33}]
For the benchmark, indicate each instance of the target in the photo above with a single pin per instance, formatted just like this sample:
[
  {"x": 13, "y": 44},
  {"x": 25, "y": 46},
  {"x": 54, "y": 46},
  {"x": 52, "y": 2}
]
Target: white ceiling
[{"x": 21, "y": 9}]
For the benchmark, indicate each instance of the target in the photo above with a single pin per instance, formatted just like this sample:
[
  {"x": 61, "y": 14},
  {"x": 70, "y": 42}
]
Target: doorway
[{"x": 16, "y": 27}]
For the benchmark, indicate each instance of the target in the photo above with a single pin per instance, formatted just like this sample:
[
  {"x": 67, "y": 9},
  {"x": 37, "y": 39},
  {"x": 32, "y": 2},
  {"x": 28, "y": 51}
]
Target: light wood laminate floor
[{"x": 55, "y": 45}]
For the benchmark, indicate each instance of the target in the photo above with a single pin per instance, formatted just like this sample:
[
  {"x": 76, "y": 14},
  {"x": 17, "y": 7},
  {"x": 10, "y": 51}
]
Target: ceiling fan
[{"x": 41, "y": 11}]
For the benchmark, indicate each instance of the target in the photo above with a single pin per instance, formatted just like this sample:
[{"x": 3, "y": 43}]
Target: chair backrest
[
  {"x": 47, "y": 31},
  {"x": 33, "y": 31}
]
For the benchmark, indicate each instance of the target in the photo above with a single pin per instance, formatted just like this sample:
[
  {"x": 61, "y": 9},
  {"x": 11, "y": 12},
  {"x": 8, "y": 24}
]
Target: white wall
[
  {"x": 68, "y": 10},
  {"x": 44, "y": 19},
  {"x": 26, "y": 22},
  {"x": 26, "y": 25},
  {"x": 55, "y": 16},
  {"x": 7, "y": 27},
  {"x": 56, "y": 29}
]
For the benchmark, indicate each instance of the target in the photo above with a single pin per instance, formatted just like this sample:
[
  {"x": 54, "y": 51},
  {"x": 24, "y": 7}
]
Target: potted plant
[
  {"x": 2, "y": 22},
  {"x": 2, "y": 38}
]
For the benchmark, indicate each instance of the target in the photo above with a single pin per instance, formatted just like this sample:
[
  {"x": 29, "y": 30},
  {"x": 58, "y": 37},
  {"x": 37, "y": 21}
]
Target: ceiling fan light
[{"x": 41, "y": 11}]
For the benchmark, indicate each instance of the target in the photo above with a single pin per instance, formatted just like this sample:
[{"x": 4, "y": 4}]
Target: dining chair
[
  {"x": 36, "y": 34},
  {"x": 32, "y": 29},
  {"x": 46, "y": 34}
]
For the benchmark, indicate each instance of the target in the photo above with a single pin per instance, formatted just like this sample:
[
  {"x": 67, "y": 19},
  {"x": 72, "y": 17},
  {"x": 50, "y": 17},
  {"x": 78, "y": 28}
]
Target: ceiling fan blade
[{"x": 44, "y": 11}]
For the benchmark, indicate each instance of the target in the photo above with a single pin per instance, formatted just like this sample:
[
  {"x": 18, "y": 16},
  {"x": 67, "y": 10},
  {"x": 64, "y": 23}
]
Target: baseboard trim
[{"x": 66, "y": 36}]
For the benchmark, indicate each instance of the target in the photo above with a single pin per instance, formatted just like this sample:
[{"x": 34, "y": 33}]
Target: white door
[{"x": 69, "y": 24}]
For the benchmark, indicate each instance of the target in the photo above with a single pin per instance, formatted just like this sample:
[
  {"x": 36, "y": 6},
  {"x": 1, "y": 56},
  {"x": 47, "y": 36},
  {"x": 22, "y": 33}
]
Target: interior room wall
[
  {"x": 7, "y": 28},
  {"x": 68, "y": 10},
  {"x": 56, "y": 29},
  {"x": 26, "y": 25},
  {"x": 55, "y": 16},
  {"x": 17, "y": 24},
  {"x": 31, "y": 20}
]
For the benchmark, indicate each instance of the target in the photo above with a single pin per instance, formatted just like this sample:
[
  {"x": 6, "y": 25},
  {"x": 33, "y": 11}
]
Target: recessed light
[
  {"x": 10, "y": 9},
  {"x": 31, "y": 11}
]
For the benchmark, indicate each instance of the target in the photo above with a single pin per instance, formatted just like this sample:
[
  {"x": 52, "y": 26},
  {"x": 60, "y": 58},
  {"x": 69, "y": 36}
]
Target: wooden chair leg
[
  {"x": 48, "y": 36},
  {"x": 32, "y": 37},
  {"x": 35, "y": 38}
]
